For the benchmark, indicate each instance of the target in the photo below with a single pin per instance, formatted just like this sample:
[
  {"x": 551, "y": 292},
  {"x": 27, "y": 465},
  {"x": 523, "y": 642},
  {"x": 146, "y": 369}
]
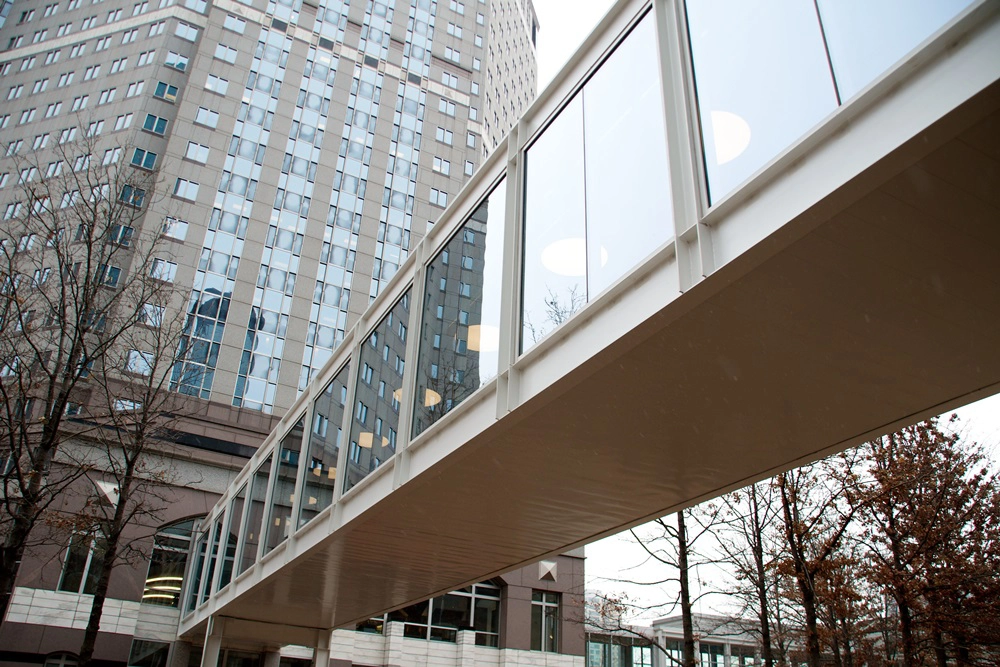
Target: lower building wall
[{"x": 357, "y": 649}]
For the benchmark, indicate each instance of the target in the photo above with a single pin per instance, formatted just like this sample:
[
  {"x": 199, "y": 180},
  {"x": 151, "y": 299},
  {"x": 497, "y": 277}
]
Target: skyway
[{"x": 717, "y": 246}]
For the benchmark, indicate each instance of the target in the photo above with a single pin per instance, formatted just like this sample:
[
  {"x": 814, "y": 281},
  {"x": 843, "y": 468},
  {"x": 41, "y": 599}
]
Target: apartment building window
[
  {"x": 139, "y": 363},
  {"x": 447, "y": 107},
  {"x": 15, "y": 92},
  {"x": 135, "y": 89},
  {"x": 442, "y": 166},
  {"x": 88, "y": 22},
  {"x": 197, "y": 152},
  {"x": 140, "y": 8},
  {"x": 235, "y": 24},
  {"x": 452, "y": 54},
  {"x": 78, "y": 50},
  {"x": 132, "y": 196},
  {"x": 152, "y": 315},
  {"x": 175, "y": 60},
  {"x": 439, "y": 198},
  {"x": 91, "y": 72},
  {"x": 226, "y": 53},
  {"x": 157, "y": 28},
  {"x": 470, "y": 167},
  {"x": 27, "y": 63},
  {"x": 65, "y": 79},
  {"x": 50, "y": 10},
  {"x": 51, "y": 57},
  {"x": 130, "y": 36},
  {"x": 217, "y": 84},
  {"x": 67, "y": 135},
  {"x": 80, "y": 103},
  {"x": 64, "y": 29},
  {"x": 186, "y": 189},
  {"x": 470, "y": 140},
  {"x": 95, "y": 128},
  {"x": 27, "y": 116},
  {"x": 143, "y": 158},
  {"x": 544, "y": 621},
  {"x": 81, "y": 564},
  {"x": 121, "y": 123},
  {"x": 185, "y": 31},
  {"x": 39, "y": 36},
  {"x": 155, "y": 124},
  {"x": 457, "y": 7},
  {"x": 111, "y": 156},
  {"x": 444, "y": 136},
  {"x": 175, "y": 228},
  {"x": 207, "y": 117},
  {"x": 455, "y": 30},
  {"x": 107, "y": 96},
  {"x": 163, "y": 270},
  {"x": 114, "y": 15},
  {"x": 165, "y": 91},
  {"x": 449, "y": 79}
]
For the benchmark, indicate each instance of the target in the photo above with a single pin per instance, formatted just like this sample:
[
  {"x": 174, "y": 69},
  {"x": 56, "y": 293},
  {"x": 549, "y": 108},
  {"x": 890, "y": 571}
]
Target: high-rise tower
[{"x": 301, "y": 149}]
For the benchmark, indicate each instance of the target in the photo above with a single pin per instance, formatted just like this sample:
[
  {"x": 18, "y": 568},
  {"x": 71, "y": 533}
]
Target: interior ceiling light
[
  {"x": 568, "y": 257},
  {"x": 484, "y": 338},
  {"x": 731, "y": 134}
]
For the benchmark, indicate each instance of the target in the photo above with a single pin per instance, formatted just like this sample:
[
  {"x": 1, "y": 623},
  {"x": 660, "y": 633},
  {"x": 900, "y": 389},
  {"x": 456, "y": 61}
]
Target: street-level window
[
  {"x": 544, "y": 621},
  {"x": 81, "y": 564}
]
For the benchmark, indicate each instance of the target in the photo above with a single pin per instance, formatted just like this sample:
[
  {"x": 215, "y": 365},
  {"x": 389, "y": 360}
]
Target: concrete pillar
[
  {"x": 467, "y": 648},
  {"x": 271, "y": 659},
  {"x": 213, "y": 644},
  {"x": 321, "y": 652},
  {"x": 180, "y": 654}
]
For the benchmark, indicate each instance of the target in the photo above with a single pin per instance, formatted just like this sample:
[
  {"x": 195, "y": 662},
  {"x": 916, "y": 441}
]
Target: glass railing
[{"x": 595, "y": 201}]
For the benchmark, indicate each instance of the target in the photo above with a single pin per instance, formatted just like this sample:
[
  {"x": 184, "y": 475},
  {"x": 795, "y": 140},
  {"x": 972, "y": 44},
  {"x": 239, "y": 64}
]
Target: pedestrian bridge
[{"x": 722, "y": 243}]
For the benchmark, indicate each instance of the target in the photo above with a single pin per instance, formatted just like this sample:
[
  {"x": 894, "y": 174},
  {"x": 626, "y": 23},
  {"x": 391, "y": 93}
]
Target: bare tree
[{"x": 81, "y": 278}]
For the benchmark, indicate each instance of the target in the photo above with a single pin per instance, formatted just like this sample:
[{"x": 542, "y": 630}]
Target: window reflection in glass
[
  {"x": 459, "y": 344},
  {"x": 199, "y": 565},
  {"x": 628, "y": 185},
  {"x": 279, "y": 521},
  {"x": 255, "y": 515},
  {"x": 555, "y": 248},
  {"x": 763, "y": 81},
  {"x": 375, "y": 419},
  {"x": 324, "y": 448},
  {"x": 866, "y": 37}
]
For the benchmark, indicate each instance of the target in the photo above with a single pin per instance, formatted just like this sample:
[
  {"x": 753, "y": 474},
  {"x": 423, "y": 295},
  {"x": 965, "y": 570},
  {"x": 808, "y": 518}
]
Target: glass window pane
[
  {"x": 324, "y": 448},
  {"x": 459, "y": 346},
  {"x": 375, "y": 418},
  {"x": 867, "y": 37},
  {"x": 146, "y": 653},
  {"x": 555, "y": 257},
  {"x": 165, "y": 576},
  {"x": 628, "y": 184},
  {"x": 763, "y": 81},
  {"x": 255, "y": 515},
  {"x": 213, "y": 555},
  {"x": 201, "y": 546},
  {"x": 279, "y": 522},
  {"x": 235, "y": 519}
]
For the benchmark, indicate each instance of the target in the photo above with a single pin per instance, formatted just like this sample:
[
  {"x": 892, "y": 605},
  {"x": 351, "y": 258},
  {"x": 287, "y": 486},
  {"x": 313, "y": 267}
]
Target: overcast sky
[{"x": 563, "y": 25}]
